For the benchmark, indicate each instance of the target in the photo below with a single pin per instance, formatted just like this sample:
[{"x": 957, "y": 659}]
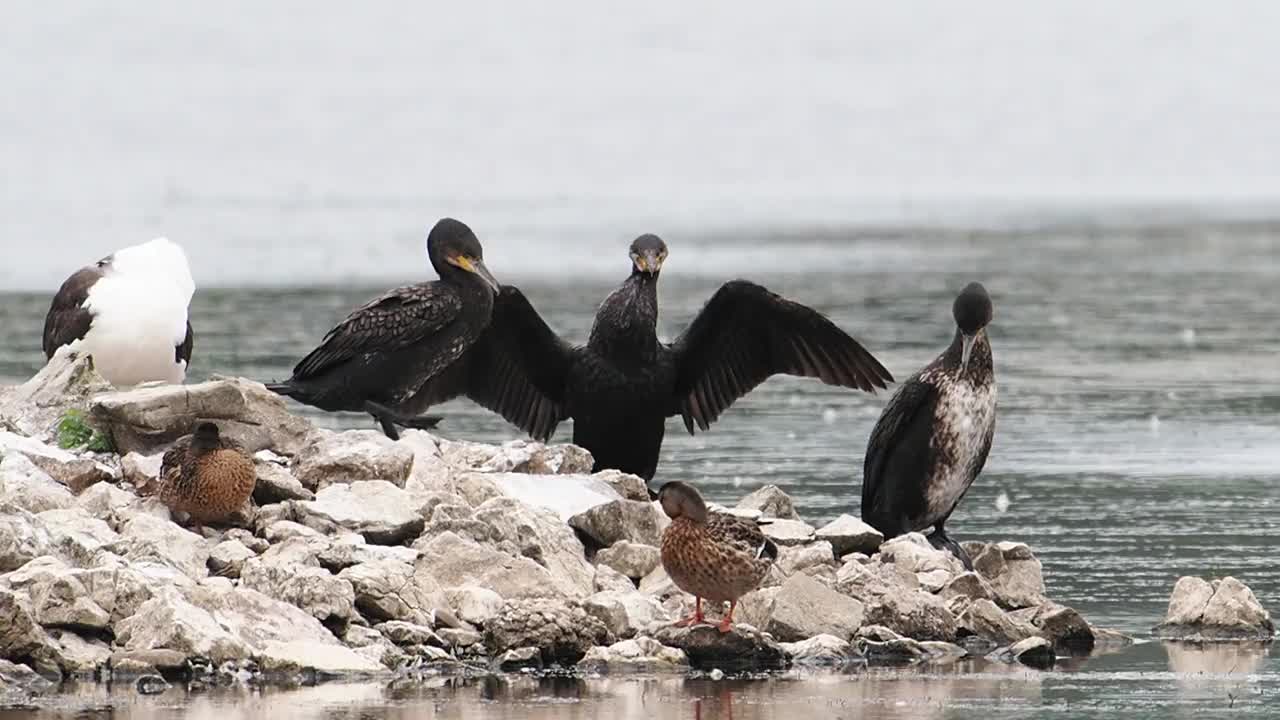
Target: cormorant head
[
  {"x": 451, "y": 244},
  {"x": 682, "y": 500},
  {"x": 647, "y": 254},
  {"x": 972, "y": 311},
  {"x": 205, "y": 437}
]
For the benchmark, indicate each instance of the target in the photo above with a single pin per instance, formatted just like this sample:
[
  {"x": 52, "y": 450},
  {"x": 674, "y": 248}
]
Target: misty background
[{"x": 299, "y": 143}]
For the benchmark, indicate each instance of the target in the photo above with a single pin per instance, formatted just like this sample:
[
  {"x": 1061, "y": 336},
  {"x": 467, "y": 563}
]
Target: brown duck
[
  {"x": 206, "y": 476},
  {"x": 712, "y": 555}
]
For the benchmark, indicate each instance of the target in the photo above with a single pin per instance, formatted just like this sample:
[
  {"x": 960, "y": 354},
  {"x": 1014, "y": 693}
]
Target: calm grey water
[{"x": 1109, "y": 172}]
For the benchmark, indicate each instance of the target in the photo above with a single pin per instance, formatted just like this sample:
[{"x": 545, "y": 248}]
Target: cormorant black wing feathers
[
  {"x": 744, "y": 334},
  {"x": 397, "y": 319},
  {"x": 519, "y": 367},
  {"x": 901, "y": 438}
]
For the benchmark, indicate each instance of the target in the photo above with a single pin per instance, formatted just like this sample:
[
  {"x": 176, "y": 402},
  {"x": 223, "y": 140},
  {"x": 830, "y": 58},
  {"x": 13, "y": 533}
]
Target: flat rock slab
[
  {"x": 381, "y": 512},
  {"x": 788, "y": 532},
  {"x": 565, "y": 495},
  {"x": 742, "y": 648},
  {"x": 849, "y": 534},
  {"x": 334, "y": 660},
  {"x": 147, "y": 417}
]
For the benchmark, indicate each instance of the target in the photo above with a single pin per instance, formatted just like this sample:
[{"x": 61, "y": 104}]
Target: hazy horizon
[{"x": 314, "y": 143}]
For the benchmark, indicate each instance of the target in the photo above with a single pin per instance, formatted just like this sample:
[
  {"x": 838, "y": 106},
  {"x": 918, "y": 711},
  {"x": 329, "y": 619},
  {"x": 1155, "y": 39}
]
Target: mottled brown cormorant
[
  {"x": 377, "y": 359},
  {"x": 129, "y": 312},
  {"x": 934, "y": 435},
  {"x": 206, "y": 476},
  {"x": 621, "y": 386},
  {"x": 713, "y": 556}
]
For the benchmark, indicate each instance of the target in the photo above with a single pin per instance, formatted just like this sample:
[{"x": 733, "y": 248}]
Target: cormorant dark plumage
[
  {"x": 624, "y": 383},
  {"x": 933, "y": 437},
  {"x": 378, "y": 359}
]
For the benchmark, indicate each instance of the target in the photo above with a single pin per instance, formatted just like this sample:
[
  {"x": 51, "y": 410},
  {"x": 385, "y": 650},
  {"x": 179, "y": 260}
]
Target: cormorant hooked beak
[
  {"x": 648, "y": 261},
  {"x": 966, "y": 349},
  {"x": 476, "y": 267}
]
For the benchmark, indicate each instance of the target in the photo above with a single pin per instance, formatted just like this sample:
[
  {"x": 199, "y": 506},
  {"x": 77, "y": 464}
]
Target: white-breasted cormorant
[
  {"x": 934, "y": 435},
  {"x": 621, "y": 386},
  {"x": 129, "y": 312},
  {"x": 382, "y": 354}
]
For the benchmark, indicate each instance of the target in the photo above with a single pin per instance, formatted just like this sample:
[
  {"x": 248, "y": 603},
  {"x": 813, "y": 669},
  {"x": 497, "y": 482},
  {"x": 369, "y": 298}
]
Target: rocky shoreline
[{"x": 365, "y": 557}]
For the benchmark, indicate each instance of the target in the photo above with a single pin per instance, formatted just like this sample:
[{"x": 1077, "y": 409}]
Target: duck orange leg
[
  {"x": 696, "y": 618},
  {"x": 726, "y": 623}
]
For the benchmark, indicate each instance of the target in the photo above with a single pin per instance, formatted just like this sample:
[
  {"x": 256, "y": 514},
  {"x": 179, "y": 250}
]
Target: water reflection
[
  {"x": 1217, "y": 670},
  {"x": 882, "y": 695}
]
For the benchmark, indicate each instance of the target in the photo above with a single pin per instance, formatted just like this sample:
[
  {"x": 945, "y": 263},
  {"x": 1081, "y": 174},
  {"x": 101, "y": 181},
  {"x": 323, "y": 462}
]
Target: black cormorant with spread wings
[
  {"x": 621, "y": 386},
  {"x": 933, "y": 437}
]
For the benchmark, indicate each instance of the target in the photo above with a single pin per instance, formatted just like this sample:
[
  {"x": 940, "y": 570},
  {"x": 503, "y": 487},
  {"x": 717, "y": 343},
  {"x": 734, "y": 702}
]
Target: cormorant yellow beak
[{"x": 477, "y": 267}]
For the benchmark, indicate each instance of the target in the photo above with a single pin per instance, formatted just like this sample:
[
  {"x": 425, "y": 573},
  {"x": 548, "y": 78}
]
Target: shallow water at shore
[{"x": 1143, "y": 681}]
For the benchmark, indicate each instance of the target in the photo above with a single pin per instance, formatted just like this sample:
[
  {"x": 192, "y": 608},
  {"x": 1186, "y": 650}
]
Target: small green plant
[{"x": 75, "y": 432}]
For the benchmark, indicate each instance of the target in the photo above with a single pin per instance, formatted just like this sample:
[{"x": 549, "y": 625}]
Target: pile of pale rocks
[{"x": 364, "y": 556}]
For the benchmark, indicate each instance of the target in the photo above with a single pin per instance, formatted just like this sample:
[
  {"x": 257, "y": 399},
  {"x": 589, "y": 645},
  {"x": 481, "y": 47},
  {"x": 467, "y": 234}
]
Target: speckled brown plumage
[
  {"x": 206, "y": 476},
  {"x": 711, "y": 555}
]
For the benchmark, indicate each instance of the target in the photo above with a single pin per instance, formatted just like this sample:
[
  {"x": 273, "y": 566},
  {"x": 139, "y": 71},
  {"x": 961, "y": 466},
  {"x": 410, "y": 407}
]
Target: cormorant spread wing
[
  {"x": 744, "y": 334},
  {"x": 397, "y": 319},
  {"x": 518, "y": 368}
]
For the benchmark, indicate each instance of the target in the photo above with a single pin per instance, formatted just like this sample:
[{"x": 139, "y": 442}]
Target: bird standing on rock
[
  {"x": 933, "y": 437},
  {"x": 129, "y": 312},
  {"x": 621, "y": 386},
  {"x": 711, "y": 555},
  {"x": 206, "y": 476},
  {"x": 382, "y": 354}
]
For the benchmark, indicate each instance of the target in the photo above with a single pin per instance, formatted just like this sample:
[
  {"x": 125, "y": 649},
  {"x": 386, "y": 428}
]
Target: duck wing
[{"x": 741, "y": 534}]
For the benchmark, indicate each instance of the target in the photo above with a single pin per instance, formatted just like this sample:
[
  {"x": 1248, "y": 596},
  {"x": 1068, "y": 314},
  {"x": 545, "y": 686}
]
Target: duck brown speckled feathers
[
  {"x": 206, "y": 476},
  {"x": 712, "y": 555}
]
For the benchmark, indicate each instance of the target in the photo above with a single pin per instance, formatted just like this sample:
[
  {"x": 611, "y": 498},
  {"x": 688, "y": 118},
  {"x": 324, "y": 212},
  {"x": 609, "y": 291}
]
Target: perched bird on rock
[
  {"x": 129, "y": 312},
  {"x": 621, "y": 386},
  {"x": 420, "y": 345},
  {"x": 206, "y": 476},
  {"x": 712, "y": 555},
  {"x": 933, "y": 437}
]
